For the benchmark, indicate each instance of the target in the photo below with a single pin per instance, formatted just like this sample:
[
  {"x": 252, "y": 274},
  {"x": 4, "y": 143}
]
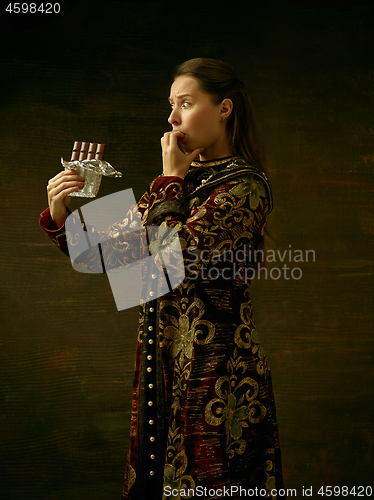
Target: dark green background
[{"x": 101, "y": 71}]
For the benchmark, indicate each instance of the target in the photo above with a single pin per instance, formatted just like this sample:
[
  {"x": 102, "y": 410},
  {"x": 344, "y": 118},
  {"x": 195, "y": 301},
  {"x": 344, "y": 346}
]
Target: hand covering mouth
[{"x": 180, "y": 139}]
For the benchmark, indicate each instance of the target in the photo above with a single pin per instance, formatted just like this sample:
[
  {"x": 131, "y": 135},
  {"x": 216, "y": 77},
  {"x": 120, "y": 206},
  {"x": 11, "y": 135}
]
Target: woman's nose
[{"x": 174, "y": 117}]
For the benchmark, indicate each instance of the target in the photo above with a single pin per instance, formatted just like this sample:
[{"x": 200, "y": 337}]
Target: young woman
[{"x": 203, "y": 413}]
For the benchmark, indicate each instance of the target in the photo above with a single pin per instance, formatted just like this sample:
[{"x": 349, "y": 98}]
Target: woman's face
[{"x": 197, "y": 117}]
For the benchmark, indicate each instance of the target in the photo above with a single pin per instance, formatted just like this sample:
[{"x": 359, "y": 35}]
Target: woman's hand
[
  {"x": 58, "y": 189},
  {"x": 175, "y": 162}
]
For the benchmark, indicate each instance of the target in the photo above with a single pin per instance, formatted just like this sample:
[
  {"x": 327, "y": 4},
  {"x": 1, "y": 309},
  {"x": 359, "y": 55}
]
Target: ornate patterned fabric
[{"x": 203, "y": 411}]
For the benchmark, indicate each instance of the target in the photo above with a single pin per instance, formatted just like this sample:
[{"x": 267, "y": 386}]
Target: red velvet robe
[{"x": 203, "y": 411}]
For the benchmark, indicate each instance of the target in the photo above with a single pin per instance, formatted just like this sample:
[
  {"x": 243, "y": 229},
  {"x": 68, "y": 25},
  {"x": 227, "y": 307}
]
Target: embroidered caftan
[{"x": 203, "y": 411}]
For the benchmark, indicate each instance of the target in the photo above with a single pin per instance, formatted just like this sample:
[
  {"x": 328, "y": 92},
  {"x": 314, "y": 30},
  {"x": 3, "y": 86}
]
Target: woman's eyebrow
[{"x": 179, "y": 96}]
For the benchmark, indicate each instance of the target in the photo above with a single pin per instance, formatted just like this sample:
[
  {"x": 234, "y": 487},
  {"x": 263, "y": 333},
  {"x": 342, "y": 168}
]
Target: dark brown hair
[{"x": 218, "y": 79}]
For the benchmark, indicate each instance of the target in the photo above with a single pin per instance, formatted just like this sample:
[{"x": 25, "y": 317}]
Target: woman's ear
[{"x": 226, "y": 108}]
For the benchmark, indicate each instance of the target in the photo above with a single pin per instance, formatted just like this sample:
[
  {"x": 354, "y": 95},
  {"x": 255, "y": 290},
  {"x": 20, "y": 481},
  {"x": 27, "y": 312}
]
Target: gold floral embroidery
[
  {"x": 235, "y": 211},
  {"x": 236, "y": 405},
  {"x": 182, "y": 337},
  {"x": 252, "y": 185},
  {"x": 174, "y": 470},
  {"x": 246, "y": 337},
  {"x": 182, "y": 333}
]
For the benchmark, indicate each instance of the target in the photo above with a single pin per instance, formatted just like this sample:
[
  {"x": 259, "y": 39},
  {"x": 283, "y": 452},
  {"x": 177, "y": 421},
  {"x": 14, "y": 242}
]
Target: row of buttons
[
  {"x": 150, "y": 385},
  {"x": 151, "y": 294}
]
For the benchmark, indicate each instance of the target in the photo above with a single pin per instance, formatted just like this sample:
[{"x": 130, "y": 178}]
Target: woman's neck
[{"x": 221, "y": 149}]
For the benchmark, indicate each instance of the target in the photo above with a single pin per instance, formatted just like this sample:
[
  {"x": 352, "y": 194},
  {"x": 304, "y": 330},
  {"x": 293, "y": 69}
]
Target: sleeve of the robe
[{"x": 123, "y": 243}]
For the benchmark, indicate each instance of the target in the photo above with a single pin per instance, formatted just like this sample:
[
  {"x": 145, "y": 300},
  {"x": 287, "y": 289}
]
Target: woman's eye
[{"x": 184, "y": 105}]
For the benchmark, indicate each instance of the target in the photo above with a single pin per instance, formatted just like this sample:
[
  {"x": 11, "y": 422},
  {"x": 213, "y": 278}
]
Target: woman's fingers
[
  {"x": 171, "y": 138},
  {"x": 63, "y": 180},
  {"x": 169, "y": 144},
  {"x": 71, "y": 175},
  {"x": 59, "y": 188},
  {"x": 58, "y": 192},
  {"x": 175, "y": 161}
]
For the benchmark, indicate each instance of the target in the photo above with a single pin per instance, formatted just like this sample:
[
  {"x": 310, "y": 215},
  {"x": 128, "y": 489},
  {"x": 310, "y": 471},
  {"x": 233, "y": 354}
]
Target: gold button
[
  {"x": 150, "y": 328},
  {"x": 149, "y": 357},
  {"x": 151, "y": 294},
  {"x": 203, "y": 181},
  {"x": 150, "y": 386},
  {"x": 154, "y": 276},
  {"x": 151, "y": 309},
  {"x": 151, "y": 472},
  {"x": 151, "y": 422},
  {"x": 152, "y": 439},
  {"x": 150, "y": 403},
  {"x": 150, "y": 341},
  {"x": 149, "y": 369},
  {"x": 153, "y": 457}
]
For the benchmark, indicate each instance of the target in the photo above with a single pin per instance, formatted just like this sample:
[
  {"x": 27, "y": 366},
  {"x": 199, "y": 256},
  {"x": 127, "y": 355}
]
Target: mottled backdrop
[{"x": 100, "y": 71}]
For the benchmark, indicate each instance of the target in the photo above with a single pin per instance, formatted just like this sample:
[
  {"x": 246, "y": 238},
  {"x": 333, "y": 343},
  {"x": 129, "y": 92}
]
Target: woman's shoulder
[
  {"x": 252, "y": 181},
  {"x": 239, "y": 176},
  {"x": 241, "y": 166}
]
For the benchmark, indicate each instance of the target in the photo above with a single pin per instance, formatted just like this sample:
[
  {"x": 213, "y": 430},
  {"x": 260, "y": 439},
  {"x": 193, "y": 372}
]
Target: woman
[{"x": 203, "y": 412}]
